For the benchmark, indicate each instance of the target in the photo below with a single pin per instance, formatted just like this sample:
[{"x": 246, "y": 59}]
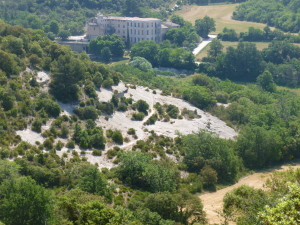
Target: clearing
[
  {"x": 222, "y": 15},
  {"x": 213, "y": 202},
  {"x": 122, "y": 121}
]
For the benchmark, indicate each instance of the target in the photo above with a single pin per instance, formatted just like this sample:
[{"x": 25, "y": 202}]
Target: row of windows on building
[
  {"x": 142, "y": 25},
  {"x": 135, "y": 24},
  {"x": 137, "y": 39},
  {"x": 138, "y": 32}
]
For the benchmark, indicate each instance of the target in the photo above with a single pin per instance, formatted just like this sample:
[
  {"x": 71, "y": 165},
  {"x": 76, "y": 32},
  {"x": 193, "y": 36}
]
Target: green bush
[
  {"x": 117, "y": 137},
  {"x": 96, "y": 152},
  {"x": 138, "y": 116}
]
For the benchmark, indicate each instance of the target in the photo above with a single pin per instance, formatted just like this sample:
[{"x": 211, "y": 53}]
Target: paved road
[{"x": 203, "y": 44}]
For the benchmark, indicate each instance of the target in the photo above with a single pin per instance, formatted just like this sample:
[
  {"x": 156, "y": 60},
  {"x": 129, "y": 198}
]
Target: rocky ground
[{"x": 122, "y": 120}]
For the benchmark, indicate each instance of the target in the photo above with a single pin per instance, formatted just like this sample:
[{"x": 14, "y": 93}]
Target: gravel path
[
  {"x": 203, "y": 44},
  {"x": 213, "y": 202}
]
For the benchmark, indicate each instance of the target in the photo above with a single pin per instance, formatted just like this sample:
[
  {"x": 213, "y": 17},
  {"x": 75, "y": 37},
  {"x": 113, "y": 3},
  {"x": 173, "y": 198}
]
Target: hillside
[
  {"x": 280, "y": 14},
  {"x": 82, "y": 142},
  {"x": 60, "y": 18},
  {"x": 222, "y": 13}
]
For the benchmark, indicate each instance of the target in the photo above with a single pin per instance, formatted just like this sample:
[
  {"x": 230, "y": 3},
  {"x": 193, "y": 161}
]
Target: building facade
[{"x": 132, "y": 29}]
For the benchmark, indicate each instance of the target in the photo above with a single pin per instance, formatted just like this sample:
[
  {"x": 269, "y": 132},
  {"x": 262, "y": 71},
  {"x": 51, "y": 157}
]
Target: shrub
[
  {"x": 48, "y": 144},
  {"x": 37, "y": 125},
  {"x": 172, "y": 111},
  {"x": 142, "y": 106},
  {"x": 222, "y": 97},
  {"x": 131, "y": 131},
  {"x": 117, "y": 137},
  {"x": 108, "y": 83},
  {"x": 59, "y": 145},
  {"x": 138, "y": 116},
  {"x": 70, "y": 144},
  {"x": 111, "y": 153},
  {"x": 151, "y": 120},
  {"x": 96, "y": 152},
  {"x": 141, "y": 63},
  {"x": 85, "y": 113}
]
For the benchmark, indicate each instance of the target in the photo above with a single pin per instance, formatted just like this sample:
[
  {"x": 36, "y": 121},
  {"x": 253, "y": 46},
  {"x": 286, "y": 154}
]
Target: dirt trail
[{"x": 213, "y": 202}]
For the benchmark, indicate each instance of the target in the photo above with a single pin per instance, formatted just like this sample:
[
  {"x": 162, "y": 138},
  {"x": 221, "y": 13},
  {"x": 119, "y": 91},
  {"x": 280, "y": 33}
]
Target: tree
[
  {"x": 142, "y": 106},
  {"x": 8, "y": 63},
  {"x": 131, "y": 166},
  {"x": 117, "y": 137},
  {"x": 54, "y": 27},
  {"x": 114, "y": 42},
  {"x": 164, "y": 204},
  {"x": 215, "y": 49},
  {"x": 23, "y": 202},
  {"x": 178, "y": 20},
  {"x": 182, "y": 207},
  {"x": 6, "y": 100},
  {"x": 13, "y": 45},
  {"x": 64, "y": 34},
  {"x": 51, "y": 107},
  {"x": 146, "y": 49},
  {"x": 206, "y": 149},
  {"x": 141, "y": 63},
  {"x": 258, "y": 146},
  {"x": 37, "y": 125},
  {"x": 265, "y": 80},
  {"x": 97, "y": 139},
  {"x": 286, "y": 211},
  {"x": 137, "y": 169},
  {"x": 158, "y": 178},
  {"x": 205, "y": 26},
  {"x": 198, "y": 96},
  {"x": 181, "y": 58},
  {"x": 209, "y": 176},
  {"x": 79, "y": 207},
  {"x": 244, "y": 63},
  {"x": 8, "y": 170},
  {"x": 133, "y": 8},
  {"x": 34, "y": 21},
  {"x": 147, "y": 217},
  {"x": 243, "y": 204},
  {"x": 92, "y": 181},
  {"x": 106, "y": 55},
  {"x": 67, "y": 71}
]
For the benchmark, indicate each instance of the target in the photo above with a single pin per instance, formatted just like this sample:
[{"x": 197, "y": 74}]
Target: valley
[{"x": 159, "y": 117}]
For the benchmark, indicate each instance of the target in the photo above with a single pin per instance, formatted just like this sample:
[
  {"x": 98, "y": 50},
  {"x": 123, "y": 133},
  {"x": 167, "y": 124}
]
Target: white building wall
[{"x": 132, "y": 29}]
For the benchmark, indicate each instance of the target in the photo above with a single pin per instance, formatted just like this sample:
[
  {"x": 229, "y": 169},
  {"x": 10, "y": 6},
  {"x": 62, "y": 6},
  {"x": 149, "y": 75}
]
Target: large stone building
[{"x": 132, "y": 29}]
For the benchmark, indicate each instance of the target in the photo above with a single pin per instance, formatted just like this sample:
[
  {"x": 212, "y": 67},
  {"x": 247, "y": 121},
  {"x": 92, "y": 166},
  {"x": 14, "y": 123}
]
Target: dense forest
[
  {"x": 258, "y": 35},
  {"x": 283, "y": 14},
  {"x": 66, "y": 17},
  {"x": 245, "y": 63}
]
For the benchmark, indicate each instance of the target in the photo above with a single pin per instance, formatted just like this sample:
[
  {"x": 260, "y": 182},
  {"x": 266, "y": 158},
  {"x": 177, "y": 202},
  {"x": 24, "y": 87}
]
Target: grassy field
[
  {"x": 226, "y": 44},
  {"x": 294, "y": 90},
  {"x": 222, "y": 15}
]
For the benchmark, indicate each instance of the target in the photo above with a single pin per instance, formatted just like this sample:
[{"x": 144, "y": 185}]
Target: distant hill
[
  {"x": 71, "y": 15},
  {"x": 280, "y": 14}
]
